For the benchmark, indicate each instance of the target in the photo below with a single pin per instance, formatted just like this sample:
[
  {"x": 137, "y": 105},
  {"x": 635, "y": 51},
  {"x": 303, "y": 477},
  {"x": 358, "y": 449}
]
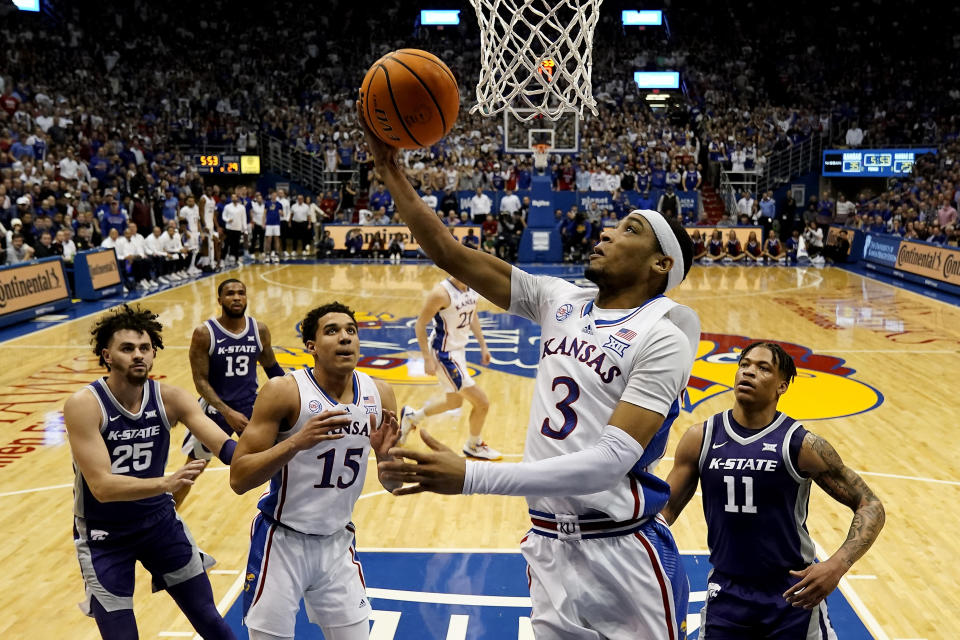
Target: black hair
[
  {"x": 223, "y": 284},
  {"x": 783, "y": 360},
  {"x": 686, "y": 247},
  {"x": 308, "y": 326},
  {"x": 120, "y": 319}
]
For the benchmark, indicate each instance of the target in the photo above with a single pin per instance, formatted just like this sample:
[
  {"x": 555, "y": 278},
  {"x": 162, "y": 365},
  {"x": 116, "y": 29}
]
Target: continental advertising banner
[
  {"x": 32, "y": 284},
  {"x": 103, "y": 268},
  {"x": 929, "y": 261},
  {"x": 387, "y": 232}
]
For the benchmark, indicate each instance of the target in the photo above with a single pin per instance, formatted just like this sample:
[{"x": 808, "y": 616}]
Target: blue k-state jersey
[
  {"x": 754, "y": 499},
  {"x": 137, "y": 443},
  {"x": 233, "y": 364}
]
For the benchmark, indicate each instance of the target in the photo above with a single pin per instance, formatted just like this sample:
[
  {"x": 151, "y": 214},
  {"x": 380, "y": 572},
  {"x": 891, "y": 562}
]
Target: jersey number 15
[{"x": 351, "y": 460}]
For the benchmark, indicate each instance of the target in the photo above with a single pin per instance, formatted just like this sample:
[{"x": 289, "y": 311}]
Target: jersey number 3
[{"x": 569, "y": 415}]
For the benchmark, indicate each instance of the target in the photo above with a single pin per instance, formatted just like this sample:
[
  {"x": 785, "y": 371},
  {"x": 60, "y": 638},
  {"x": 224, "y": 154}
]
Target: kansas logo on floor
[
  {"x": 484, "y": 596},
  {"x": 389, "y": 350}
]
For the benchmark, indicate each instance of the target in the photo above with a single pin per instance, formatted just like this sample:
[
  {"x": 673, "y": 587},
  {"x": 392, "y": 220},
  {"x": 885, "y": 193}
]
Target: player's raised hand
[
  {"x": 439, "y": 470},
  {"x": 318, "y": 428},
  {"x": 184, "y": 476},
  {"x": 816, "y": 582},
  {"x": 236, "y": 420},
  {"x": 386, "y": 435}
]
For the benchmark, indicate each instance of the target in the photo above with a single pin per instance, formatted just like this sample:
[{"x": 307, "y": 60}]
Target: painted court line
[
  {"x": 35, "y": 490},
  {"x": 431, "y": 597},
  {"x": 854, "y": 599},
  {"x": 897, "y": 476},
  {"x": 878, "y": 474}
]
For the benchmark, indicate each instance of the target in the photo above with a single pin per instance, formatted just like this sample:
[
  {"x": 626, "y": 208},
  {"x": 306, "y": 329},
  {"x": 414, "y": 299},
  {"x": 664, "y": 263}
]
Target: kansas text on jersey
[
  {"x": 315, "y": 492},
  {"x": 591, "y": 359}
]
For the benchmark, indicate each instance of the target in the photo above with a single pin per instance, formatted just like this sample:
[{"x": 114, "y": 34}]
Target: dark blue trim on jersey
[
  {"x": 658, "y": 444},
  {"x": 583, "y": 518},
  {"x": 443, "y": 357},
  {"x": 329, "y": 398},
  {"x": 439, "y": 332},
  {"x": 610, "y": 323},
  {"x": 268, "y": 503}
]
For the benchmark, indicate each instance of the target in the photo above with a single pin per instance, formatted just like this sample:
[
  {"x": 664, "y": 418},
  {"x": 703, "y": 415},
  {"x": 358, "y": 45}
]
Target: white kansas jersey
[
  {"x": 192, "y": 215},
  {"x": 451, "y": 325},
  {"x": 209, "y": 212},
  {"x": 591, "y": 359},
  {"x": 315, "y": 492}
]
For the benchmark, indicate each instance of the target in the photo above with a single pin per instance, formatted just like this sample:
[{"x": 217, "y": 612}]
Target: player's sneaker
[
  {"x": 406, "y": 423},
  {"x": 482, "y": 451}
]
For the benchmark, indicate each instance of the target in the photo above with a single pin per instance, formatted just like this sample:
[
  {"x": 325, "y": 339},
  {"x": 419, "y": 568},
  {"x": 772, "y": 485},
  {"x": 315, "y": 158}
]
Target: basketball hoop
[
  {"x": 540, "y": 152},
  {"x": 536, "y": 56}
]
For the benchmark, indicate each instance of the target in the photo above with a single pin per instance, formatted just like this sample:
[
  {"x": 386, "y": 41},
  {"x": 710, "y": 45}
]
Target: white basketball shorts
[{"x": 285, "y": 566}]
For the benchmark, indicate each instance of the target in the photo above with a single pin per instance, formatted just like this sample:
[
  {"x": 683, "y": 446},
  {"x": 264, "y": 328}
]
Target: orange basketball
[{"x": 410, "y": 99}]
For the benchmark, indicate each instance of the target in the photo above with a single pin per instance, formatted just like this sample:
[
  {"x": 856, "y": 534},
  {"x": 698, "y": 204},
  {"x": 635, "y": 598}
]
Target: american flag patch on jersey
[
  {"x": 370, "y": 404},
  {"x": 626, "y": 334}
]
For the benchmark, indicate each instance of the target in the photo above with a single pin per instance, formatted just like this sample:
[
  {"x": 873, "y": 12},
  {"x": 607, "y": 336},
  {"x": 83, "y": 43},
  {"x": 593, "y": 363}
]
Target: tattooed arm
[{"x": 823, "y": 465}]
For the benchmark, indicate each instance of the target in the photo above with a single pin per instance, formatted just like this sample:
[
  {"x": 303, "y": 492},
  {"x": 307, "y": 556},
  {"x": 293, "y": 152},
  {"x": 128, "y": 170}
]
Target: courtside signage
[{"x": 32, "y": 284}]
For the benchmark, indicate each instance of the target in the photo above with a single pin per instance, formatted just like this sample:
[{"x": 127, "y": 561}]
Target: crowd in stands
[{"x": 102, "y": 107}]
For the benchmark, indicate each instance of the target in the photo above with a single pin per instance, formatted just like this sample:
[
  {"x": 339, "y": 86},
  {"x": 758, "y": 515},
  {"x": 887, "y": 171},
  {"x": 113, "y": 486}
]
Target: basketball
[{"x": 410, "y": 98}]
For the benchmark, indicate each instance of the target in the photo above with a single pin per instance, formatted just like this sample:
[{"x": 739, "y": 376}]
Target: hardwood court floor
[{"x": 903, "y": 347}]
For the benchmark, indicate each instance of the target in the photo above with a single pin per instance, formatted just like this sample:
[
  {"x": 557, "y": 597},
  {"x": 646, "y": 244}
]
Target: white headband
[{"x": 668, "y": 243}]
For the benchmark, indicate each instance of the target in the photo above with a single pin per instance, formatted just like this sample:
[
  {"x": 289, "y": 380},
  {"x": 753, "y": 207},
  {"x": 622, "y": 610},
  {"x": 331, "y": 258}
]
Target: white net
[
  {"x": 540, "y": 156},
  {"x": 536, "y": 55}
]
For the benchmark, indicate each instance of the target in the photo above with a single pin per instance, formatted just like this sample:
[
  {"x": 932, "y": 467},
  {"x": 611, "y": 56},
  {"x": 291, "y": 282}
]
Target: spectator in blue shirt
[
  {"x": 524, "y": 179},
  {"x": 19, "y": 150},
  {"x": 381, "y": 198},
  {"x": 471, "y": 240},
  {"x": 692, "y": 178},
  {"x": 354, "y": 243},
  {"x": 658, "y": 177},
  {"x": 113, "y": 219},
  {"x": 170, "y": 207}
]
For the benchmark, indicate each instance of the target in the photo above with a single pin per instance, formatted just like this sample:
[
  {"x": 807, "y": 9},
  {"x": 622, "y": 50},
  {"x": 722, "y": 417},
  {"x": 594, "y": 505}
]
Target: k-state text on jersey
[{"x": 133, "y": 434}]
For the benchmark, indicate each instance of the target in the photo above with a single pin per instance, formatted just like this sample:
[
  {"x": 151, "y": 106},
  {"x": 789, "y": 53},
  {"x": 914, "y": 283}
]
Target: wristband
[
  {"x": 274, "y": 371},
  {"x": 226, "y": 451}
]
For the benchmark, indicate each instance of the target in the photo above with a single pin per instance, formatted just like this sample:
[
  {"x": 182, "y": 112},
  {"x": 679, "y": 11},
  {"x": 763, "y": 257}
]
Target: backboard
[{"x": 519, "y": 136}]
